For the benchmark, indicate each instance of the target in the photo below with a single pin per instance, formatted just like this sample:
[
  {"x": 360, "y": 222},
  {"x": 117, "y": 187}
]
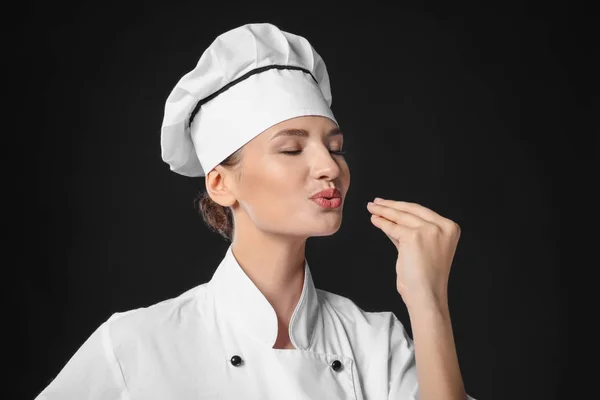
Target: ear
[{"x": 217, "y": 186}]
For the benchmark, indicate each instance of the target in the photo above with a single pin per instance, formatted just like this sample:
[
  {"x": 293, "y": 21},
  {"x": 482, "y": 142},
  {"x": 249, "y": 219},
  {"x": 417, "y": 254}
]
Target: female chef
[{"x": 253, "y": 117}]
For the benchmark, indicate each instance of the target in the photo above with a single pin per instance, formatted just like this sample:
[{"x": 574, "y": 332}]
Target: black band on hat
[{"x": 241, "y": 78}]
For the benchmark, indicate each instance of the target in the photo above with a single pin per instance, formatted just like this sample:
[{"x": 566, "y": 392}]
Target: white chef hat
[{"x": 249, "y": 79}]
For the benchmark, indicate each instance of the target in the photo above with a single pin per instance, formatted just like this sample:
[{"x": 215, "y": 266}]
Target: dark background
[{"x": 478, "y": 113}]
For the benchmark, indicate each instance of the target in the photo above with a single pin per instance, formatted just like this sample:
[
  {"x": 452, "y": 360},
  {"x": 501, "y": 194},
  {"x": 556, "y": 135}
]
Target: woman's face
[{"x": 274, "y": 188}]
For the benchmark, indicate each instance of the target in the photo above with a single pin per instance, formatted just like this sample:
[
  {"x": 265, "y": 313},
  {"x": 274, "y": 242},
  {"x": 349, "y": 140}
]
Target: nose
[{"x": 326, "y": 165}]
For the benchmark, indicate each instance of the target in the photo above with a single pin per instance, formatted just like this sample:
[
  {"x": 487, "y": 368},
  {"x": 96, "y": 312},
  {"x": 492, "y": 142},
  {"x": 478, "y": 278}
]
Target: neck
[{"x": 276, "y": 266}]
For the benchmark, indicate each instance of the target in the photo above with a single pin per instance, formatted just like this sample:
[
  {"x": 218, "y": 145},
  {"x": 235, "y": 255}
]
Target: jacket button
[
  {"x": 336, "y": 365},
  {"x": 236, "y": 360}
]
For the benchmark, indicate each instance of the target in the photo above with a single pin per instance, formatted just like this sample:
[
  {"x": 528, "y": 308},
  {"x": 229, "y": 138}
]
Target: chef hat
[{"x": 249, "y": 79}]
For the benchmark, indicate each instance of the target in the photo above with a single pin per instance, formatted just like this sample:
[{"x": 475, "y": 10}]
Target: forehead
[{"x": 303, "y": 127}]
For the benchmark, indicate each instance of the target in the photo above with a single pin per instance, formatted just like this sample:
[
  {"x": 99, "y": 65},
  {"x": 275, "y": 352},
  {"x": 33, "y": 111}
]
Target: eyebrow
[{"x": 303, "y": 133}]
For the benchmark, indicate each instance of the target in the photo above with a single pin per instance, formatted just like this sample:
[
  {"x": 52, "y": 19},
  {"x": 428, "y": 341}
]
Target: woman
[{"x": 254, "y": 119}]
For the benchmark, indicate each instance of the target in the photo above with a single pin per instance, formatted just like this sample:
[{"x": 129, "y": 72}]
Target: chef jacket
[{"x": 215, "y": 341}]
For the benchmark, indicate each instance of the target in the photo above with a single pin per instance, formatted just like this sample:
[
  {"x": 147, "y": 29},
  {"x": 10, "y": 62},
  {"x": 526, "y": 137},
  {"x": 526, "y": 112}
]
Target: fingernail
[{"x": 378, "y": 199}]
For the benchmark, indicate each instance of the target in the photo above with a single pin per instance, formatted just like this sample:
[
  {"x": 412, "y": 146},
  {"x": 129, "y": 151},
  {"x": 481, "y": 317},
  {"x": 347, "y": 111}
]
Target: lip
[
  {"x": 334, "y": 202},
  {"x": 327, "y": 194}
]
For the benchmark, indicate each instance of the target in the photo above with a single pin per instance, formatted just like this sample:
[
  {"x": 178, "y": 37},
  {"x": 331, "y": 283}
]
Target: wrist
[{"x": 426, "y": 303}]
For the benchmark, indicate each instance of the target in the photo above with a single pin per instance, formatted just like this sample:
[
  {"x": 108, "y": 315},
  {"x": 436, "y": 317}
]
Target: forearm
[{"x": 436, "y": 360}]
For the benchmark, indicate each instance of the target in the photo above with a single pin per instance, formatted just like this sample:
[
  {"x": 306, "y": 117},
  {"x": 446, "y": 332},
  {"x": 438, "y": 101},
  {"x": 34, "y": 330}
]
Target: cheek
[
  {"x": 346, "y": 174},
  {"x": 279, "y": 180},
  {"x": 272, "y": 186}
]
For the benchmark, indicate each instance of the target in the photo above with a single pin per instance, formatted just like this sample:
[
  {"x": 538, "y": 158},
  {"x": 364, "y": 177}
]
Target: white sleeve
[
  {"x": 93, "y": 372},
  {"x": 402, "y": 366}
]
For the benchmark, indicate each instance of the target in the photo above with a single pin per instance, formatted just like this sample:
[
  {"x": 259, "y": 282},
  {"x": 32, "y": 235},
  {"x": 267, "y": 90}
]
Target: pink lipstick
[{"x": 334, "y": 202}]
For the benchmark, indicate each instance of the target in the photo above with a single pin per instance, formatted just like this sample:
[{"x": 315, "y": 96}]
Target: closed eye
[{"x": 296, "y": 152}]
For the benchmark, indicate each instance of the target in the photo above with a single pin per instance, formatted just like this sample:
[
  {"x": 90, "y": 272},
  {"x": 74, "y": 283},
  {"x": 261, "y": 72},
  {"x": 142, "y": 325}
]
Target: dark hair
[{"x": 217, "y": 217}]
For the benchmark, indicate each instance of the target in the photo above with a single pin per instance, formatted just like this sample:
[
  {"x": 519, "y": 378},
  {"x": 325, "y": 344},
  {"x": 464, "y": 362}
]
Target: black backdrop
[{"x": 469, "y": 111}]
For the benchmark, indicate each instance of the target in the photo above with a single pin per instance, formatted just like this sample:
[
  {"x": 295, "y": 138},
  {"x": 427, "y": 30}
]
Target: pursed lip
[{"x": 327, "y": 193}]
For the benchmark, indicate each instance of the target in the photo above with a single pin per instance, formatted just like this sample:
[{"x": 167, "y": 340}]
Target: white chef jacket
[{"x": 215, "y": 341}]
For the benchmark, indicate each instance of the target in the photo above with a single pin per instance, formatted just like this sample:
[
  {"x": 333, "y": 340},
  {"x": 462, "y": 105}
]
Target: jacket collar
[{"x": 244, "y": 305}]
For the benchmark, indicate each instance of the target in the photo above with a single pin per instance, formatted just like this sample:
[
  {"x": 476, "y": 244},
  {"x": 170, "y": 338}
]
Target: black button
[
  {"x": 236, "y": 360},
  {"x": 336, "y": 365}
]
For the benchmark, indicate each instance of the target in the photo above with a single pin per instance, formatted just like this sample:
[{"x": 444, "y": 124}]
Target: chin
[
  {"x": 323, "y": 234},
  {"x": 328, "y": 230}
]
